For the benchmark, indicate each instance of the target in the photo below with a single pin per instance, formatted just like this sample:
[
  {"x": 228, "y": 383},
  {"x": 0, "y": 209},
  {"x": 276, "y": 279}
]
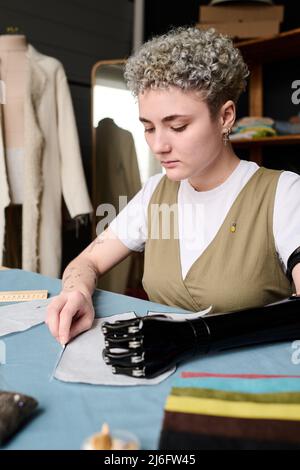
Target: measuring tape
[{"x": 22, "y": 295}]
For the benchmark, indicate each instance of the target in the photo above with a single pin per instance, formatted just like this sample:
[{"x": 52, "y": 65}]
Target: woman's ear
[{"x": 228, "y": 114}]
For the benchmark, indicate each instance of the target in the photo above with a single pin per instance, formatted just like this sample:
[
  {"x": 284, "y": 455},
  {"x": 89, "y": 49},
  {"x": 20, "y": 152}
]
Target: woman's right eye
[{"x": 150, "y": 129}]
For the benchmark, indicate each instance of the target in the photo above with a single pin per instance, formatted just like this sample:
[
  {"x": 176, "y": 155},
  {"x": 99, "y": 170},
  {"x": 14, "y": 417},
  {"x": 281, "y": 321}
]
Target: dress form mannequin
[
  {"x": 50, "y": 152},
  {"x": 13, "y": 60}
]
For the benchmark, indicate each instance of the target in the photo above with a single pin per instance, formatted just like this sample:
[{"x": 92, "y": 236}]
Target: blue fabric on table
[{"x": 70, "y": 412}]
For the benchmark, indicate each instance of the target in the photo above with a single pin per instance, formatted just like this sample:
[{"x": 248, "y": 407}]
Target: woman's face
[{"x": 180, "y": 131}]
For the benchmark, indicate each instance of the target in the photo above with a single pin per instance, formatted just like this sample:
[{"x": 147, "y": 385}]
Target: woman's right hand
[
  {"x": 72, "y": 311},
  {"x": 69, "y": 314}
]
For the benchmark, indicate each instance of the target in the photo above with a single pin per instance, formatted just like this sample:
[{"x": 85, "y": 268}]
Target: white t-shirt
[{"x": 201, "y": 214}]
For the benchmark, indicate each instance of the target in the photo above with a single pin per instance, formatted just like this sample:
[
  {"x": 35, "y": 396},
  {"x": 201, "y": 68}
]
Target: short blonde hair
[{"x": 191, "y": 59}]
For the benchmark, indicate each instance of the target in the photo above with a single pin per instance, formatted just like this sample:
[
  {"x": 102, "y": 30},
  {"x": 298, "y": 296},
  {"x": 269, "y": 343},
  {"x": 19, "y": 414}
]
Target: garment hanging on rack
[{"x": 117, "y": 174}]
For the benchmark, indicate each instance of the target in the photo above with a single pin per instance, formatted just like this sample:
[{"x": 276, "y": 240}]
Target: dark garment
[
  {"x": 214, "y": 426},
  {"x": 12, "y": 255},
  {"x": 173, "y": 440}
]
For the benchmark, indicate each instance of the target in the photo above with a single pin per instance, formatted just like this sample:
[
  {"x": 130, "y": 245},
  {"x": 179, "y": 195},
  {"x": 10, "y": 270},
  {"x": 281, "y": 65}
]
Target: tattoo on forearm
[
  {"x": 97, "y": 241},
  {"x": 68, "y": 280},
  {"x": 73, "y": 275},
  {"x": 94, "y": 273},
  {"x": 91, "y": 268}
]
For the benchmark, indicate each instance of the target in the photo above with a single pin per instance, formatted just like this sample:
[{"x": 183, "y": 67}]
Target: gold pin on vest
[{"x": 233, "y": 227}]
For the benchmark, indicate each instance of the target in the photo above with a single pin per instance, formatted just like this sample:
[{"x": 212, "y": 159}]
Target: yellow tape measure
[{"x": 22, "y": 295}]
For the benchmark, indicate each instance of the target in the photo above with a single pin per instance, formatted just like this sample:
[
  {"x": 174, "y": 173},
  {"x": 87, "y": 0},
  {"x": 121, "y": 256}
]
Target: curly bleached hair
[{"x": 191, "y": 59}]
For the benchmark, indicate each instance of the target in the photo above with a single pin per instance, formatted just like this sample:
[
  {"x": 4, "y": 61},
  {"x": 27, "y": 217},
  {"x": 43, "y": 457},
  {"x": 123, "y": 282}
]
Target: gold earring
[{"x": 226, "y": 135}]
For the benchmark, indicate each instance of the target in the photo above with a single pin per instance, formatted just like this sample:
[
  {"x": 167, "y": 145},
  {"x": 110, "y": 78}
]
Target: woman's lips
[{"x": 170, "y": 163}]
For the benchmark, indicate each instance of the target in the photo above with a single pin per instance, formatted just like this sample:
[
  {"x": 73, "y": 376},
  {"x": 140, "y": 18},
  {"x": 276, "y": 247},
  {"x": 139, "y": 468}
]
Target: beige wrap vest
[{"x": 240, "y": 268}]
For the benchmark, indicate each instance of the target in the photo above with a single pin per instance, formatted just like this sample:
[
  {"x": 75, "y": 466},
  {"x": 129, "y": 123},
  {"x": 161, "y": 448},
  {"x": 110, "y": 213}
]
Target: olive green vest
[{"x": 240, "y": 267}]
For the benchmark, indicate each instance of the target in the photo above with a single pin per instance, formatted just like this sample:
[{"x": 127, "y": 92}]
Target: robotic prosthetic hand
[{"x": 148, "y": 346}]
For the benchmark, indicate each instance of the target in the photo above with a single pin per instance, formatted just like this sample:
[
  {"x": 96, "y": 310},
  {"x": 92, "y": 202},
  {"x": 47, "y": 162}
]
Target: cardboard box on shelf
[
  {"x": 231, "y": 13},
  {"x": 245, "y": 29}
]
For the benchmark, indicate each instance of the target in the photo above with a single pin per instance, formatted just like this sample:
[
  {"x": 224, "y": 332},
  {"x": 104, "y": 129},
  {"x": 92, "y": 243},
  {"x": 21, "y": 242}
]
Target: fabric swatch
[
  {"x": 22, "y": 316},
  {"x": 282, "y": 397},
  {"x": 192, "y": 375},
  {"x": 266, "y": 385},
  {"x": 174, "y": 440},
  {"x": 199, "y": 415},
  {"x": 240, "y": 409},
  {"x": 236, "y": 427}
]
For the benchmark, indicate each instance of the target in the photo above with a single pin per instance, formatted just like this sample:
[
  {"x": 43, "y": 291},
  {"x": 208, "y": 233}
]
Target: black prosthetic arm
[
  {"x": 148, "y": 346},
  {"x": 279, "y": 321},
  {"x": 291, "y": 263}
]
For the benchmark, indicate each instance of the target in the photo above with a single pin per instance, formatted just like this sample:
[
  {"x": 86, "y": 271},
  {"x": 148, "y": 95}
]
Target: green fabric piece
[{"x": 284, "y": 397}]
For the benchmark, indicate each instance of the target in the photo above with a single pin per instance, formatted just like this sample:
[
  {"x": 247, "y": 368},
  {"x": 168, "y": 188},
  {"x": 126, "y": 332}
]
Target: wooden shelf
[
  {"x": 292, "y": 139},
  {"x": 280, "y": 47},
  {"x": 256, "y": 53}
]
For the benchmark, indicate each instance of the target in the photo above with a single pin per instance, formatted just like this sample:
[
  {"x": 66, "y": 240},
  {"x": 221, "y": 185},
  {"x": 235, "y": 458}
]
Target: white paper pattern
[
  {"x": 22, "y": 316},
  {"x": 82, "y": 359}
]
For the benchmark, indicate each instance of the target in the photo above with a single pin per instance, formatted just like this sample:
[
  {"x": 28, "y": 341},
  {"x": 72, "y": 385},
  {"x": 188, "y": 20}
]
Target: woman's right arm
[{"x": 72, "y": 312}]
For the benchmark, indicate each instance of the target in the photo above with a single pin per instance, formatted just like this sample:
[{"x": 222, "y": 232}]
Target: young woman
[{"x": 233, "y": 225}]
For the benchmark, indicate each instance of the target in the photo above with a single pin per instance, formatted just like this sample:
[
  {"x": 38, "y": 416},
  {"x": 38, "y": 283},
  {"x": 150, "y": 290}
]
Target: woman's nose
[{"x": 160, "y": 144}]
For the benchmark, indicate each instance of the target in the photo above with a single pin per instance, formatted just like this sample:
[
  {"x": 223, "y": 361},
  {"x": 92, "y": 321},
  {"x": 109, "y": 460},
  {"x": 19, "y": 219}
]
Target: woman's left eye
[{"x": 179, "y": 129}]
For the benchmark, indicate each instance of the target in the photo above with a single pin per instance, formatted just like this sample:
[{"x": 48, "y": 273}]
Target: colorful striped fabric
[{"x": 232, "y": 411}]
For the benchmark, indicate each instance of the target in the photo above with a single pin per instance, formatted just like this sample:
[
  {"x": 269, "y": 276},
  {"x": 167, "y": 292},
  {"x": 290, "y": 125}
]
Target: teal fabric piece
[{"x": 241, "y": 385}]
